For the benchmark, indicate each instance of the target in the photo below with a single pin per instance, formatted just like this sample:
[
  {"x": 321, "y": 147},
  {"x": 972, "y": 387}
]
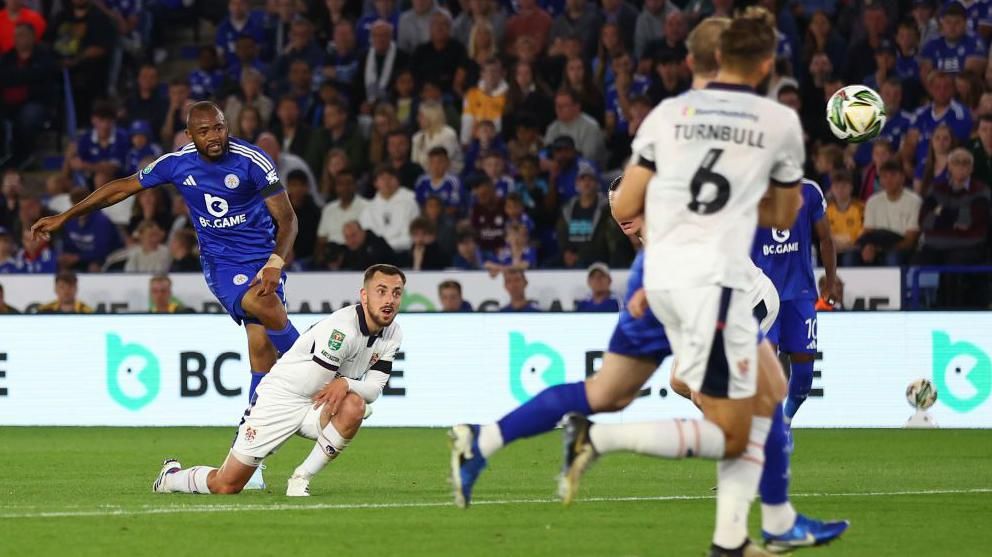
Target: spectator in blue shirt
[
  {"x": 240, "y": 22},
  {"x": 383, "y": 10},
  {"x": 494, "y": 167},
  {"x": 908, "y": 63},
  {"x": 87, "y": 240},
  {"x": 565, "y": 166},
  {"x": 515, "y": 214},
  {"x": 516, "y": 254},
  {"x": 468, "y": 256},
  {"x": 302, "y": 46},
  {"x": 626, "y": 84},
  {"x": 954, "y": 51},
  {"x": 515, "y": 283},
  {"x": 206, "y": 80},
  {"x": 438, "y": 182},
  {"x": 142, "y": 146},
  {"x": 942, "y": 109},
  {"x": 100, "y": 153},
  {"x": 450, "y": 294},
  {"x": 600, "y": 299}
]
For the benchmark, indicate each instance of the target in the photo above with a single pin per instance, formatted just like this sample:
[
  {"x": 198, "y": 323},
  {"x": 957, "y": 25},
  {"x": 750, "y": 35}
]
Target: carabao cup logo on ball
[
  {"x": 533, "y": 367},
  {"x": 132, "y": 373},
  {"x": 962, "y": 373}
]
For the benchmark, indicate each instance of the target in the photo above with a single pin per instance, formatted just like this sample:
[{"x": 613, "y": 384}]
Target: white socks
[
  {"x": 737, "y": 485},
  {"x": 189, "y": 480},
  {"x": 329, "y": 445},
  {"x": 490, "y": 439},
  {"x": 777, "y": 519},
  {"x": 666, "y": 438}
]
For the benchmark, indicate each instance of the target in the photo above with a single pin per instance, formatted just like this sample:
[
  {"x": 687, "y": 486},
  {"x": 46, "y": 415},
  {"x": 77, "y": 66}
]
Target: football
[
  {"x": 856, "y": 113},
  {"x": 921, "y": 394}
]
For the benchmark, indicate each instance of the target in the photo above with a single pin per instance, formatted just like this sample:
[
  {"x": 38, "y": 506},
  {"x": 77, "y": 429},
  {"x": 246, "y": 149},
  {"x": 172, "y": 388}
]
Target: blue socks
[
  {"x": 256, "y": 377},
  {"x": 283, "y": 340},
  {"x": 774, "y": 486},
  {"x": 542, "y": 413},
  {"x": 800, "y": 383}
]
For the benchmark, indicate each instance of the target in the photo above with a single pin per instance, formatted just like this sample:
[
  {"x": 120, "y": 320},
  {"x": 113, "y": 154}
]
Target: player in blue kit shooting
[
  {"x": 243, "y": 219},
  {"x": 786, "y": 257}
]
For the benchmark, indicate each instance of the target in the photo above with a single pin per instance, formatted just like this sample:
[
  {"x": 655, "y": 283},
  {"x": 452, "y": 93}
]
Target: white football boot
[
  {"x": 298, "y": 486},
  {"x": 169, "y": 466}
]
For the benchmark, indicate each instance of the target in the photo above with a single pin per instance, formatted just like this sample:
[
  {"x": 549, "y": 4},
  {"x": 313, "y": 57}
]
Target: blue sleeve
[
  {"x": 158, "y": 172},
  {"x": 817, "y": 203},
  {"x": 962, "y": 128},
  {"x": 263, "y": 174}
]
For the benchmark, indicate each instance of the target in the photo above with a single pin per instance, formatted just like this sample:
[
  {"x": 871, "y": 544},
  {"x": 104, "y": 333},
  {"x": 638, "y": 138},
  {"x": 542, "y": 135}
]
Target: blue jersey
[
  {"x": 135, "y": 156},
  {"x": 639, "y": 86},
  {"x": 907, "y": 67},
  {"x": 227, "y": 34},
  {"x": 203, "y": 84},
  {"x": 956, "y": 116},
  {"x": 448, "y": 190},
  {"x": 950, "y": 58},
  {"x": 609, "y": 305},
  {"x": 976, "y": 14},
  {"x": 226, "y": 199},
  {"x": 90, "y": 150},
  {"x": 786, "y": 256}
]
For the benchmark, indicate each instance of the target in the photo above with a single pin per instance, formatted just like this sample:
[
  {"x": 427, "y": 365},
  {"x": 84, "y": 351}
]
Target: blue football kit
[
  {"x": 786, "y": 257},
  {"x": 226, "y": 200}
]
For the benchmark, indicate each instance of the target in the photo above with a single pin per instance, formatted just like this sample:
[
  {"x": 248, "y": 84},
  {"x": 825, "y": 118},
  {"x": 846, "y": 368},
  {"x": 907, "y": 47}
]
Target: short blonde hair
[{"x": 703, "y": 42}]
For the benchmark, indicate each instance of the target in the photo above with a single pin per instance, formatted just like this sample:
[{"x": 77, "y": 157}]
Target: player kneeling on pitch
[{"x": 318, "y": 389}]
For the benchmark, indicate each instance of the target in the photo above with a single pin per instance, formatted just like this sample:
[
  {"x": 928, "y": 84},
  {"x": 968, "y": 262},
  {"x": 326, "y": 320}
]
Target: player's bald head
[
  {"x": 703, "y": 43},
  {"x": 203, "y": 110}
]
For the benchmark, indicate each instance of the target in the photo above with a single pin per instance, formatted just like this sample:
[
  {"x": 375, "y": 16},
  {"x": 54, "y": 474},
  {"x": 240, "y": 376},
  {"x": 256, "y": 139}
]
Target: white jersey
[
  {"x": 715, "y": 152},
  {"x": 339, "y": 344}
]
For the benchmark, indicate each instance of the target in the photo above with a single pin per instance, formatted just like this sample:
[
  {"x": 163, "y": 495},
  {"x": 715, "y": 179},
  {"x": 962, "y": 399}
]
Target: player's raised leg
[{"x": 340, "y": 418}]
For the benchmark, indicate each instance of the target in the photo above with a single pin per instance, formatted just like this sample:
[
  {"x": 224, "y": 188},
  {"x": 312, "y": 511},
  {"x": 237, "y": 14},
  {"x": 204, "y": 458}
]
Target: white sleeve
[
  {"x": 787, "y": 169},
  {"x": 371, "y": 386},
  {"x": 324, "y": 226},
  {"x": 912, "y": 214}
]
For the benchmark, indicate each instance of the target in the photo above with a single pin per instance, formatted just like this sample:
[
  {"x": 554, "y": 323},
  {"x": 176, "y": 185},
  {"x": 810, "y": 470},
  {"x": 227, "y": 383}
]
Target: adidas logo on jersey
[{"x": 189, "y": 181}]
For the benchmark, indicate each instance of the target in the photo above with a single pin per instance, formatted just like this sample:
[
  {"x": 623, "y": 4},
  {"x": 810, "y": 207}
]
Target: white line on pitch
[{"x": 178, "y": 509}]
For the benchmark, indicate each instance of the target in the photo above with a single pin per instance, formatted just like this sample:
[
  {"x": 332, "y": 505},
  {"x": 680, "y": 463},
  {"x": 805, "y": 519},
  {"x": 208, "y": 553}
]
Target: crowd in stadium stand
[{"x": 477, "y": 134}]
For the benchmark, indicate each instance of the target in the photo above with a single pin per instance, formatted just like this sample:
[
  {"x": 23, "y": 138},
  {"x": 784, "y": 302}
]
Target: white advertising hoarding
[
  {"x": 193, "y": 370},
  {"x": 325, "y": 292}
]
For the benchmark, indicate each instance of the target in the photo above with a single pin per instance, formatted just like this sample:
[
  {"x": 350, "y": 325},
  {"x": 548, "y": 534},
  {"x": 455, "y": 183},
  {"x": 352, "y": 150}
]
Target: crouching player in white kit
[
  {"x": 318, "y": 389},
  {"x": 700, "y": 226}
]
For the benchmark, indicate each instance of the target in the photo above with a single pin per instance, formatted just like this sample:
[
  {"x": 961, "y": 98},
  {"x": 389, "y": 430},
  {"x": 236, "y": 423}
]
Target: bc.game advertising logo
[
  {"x": 132, "y": 373},
  {"x": 533, "y": 366},
  {"x": 962, "y": 373}
]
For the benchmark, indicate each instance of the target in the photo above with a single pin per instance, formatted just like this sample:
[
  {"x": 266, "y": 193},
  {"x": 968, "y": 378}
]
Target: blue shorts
[
  {"x": 794, "y": 331},
  {"x": 229, "y": 283},
  {"x": 640, "y": 338}
]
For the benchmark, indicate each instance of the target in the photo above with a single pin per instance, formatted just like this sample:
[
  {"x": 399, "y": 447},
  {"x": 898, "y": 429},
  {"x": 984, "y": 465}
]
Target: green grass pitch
[{"x": 86, "y": 491}]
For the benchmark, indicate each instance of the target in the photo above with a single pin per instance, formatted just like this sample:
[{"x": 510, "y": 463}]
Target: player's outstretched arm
[
  {"x": 111, "y": 193},
  {"x": 779, "y": 207}
]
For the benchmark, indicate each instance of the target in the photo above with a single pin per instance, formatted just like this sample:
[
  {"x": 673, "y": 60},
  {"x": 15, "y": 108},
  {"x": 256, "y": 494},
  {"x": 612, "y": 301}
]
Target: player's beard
[
  {"x": 382, "y": 320},
  {"x": 223, "y": 150}
]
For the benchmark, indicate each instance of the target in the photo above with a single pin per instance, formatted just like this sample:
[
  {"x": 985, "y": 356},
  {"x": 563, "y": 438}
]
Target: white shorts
[
  {"x": 275, "y": 416},
  {"x": 764, "y": 300},
  {"x": 714, "y": 336}
]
